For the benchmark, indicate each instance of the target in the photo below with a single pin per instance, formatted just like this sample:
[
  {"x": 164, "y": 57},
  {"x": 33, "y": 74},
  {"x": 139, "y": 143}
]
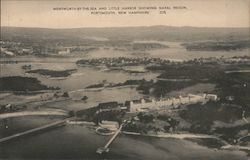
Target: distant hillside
[{"x": 83, "y": 35}]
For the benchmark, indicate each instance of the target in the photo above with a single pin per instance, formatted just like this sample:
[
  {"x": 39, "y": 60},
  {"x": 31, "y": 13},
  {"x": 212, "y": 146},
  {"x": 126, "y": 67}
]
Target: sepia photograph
[{"x": 125, "y": 80}]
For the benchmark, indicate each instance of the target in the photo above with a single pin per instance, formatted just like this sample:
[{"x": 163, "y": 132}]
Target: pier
[
  {"x": 54, "y": 124},
  {"x": 106, "y": 147}
]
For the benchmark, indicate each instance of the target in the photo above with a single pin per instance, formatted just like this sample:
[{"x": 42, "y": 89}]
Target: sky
[{"x": 198, "y": 13}]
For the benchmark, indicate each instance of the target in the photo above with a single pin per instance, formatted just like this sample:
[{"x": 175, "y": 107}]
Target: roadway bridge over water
[
  {"x": 54, "y": 124},
  {"x": 46, "y": 112}
]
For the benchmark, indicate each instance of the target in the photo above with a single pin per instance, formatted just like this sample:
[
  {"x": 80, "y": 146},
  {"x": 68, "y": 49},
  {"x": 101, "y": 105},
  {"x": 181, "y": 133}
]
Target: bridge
[
  {"x": 34, "y": 113},
  {"x": 106, "y": 147},
  {"x": 54, "y": 124}
]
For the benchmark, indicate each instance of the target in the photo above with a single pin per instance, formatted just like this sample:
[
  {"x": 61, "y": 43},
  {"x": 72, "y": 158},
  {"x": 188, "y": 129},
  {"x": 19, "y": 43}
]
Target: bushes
[
  {"x": 208, "y": 113},
  {"x": 145, "y": 118}
]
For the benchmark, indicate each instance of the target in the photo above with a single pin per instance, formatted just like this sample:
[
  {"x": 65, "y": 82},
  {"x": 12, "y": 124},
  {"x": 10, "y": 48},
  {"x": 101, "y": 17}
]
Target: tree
[{"x": 65, "y": 94}]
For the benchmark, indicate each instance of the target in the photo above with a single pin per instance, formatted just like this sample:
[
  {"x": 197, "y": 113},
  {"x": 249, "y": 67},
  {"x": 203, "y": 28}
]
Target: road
[{"x": 34, "y": 113}]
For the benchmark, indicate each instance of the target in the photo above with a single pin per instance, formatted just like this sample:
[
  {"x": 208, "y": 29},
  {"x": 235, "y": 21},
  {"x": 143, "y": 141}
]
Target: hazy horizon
[{"x": 209, "y": 14}]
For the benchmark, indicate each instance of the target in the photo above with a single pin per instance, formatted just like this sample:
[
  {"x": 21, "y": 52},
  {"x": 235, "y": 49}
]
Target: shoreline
[
  {"x": 172, "y": 135},
  {"x": 178, "y": 136},
  {"x": 183, "y": 136},
  {"x": 80, "y": 122}
]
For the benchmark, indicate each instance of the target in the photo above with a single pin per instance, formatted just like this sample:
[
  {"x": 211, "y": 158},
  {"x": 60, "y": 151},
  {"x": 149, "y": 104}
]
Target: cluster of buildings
[
  {"x": 110, "y": 106},
  {"x": 64, "y": 51},
  {"x": 144, "y": 105},
  {"x": 11, "y": 48},
  {"x": 121, "y": 61},
  {"x": 73, "y": 49}
]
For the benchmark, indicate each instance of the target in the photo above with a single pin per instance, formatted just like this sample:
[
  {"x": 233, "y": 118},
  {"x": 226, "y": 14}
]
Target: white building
[
  {"x": 27, "y": 50},
  {"x": 64, "y": 52},
  {"x": 146, "y": 105},
  {"x": 111, "y": 125},
  {"x": 212, "y": 97}
]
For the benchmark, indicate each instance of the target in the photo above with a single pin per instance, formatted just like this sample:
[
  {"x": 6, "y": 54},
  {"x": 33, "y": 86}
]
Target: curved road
[{"x": 34, "y": 113}]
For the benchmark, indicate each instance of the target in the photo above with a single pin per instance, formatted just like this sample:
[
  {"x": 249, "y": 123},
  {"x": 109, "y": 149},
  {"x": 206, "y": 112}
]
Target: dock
[
  {"x": 105, "y": 149},
  {"x": 18, "y": 135}
]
